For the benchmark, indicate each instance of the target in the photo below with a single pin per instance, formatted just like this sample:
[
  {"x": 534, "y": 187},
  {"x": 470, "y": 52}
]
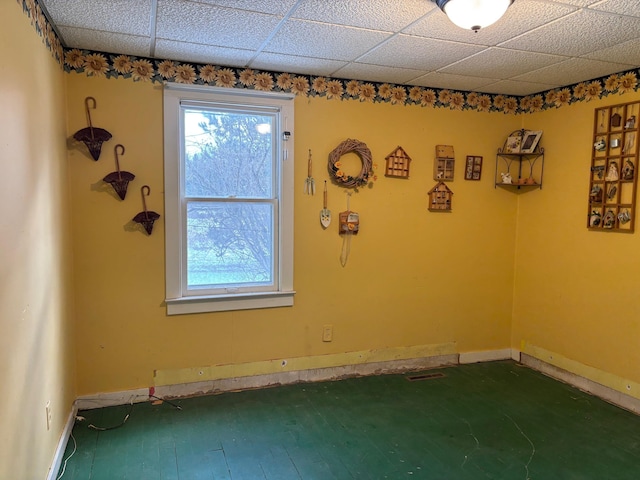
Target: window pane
[
  {"x": 228, "y": 154},
  {"x": 229, "y": 244}
]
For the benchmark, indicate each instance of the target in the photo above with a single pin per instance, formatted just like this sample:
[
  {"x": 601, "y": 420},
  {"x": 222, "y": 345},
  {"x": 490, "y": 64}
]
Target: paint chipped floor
[{"x": 495, "y": 420}]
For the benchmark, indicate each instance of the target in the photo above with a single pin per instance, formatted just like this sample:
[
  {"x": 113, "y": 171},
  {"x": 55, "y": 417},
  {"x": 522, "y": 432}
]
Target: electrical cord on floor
[
  {"x": 64, "y": 465},
  {"x": 174, "y": 405},
  {"x": 104, "y": 429}
]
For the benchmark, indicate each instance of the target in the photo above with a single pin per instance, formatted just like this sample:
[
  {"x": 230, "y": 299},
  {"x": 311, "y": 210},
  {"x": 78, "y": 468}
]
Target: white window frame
[{"x": 179, "y": 301}]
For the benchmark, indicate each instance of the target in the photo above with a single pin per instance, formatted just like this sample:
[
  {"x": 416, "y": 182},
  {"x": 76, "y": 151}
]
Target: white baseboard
[
  {"x": 62, "y": 444},
  {"x": 100, "y": 400}
]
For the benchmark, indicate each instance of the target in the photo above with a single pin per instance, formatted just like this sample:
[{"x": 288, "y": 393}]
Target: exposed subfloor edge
[
  {"x": 56, "y": 463},
  {"x": 607, "y": 394},
  {"x": 211, "y": 387}
]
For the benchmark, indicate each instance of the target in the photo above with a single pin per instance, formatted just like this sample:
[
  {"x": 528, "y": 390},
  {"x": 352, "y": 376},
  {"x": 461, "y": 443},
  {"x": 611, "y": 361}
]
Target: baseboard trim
[
  {"x": 607, "y": 394},
  {"x": 62, "y": 444},
  {"x": 112, "y": 399}
]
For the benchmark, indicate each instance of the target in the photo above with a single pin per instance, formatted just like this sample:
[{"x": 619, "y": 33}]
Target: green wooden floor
[{"x": 495, "y": 420}]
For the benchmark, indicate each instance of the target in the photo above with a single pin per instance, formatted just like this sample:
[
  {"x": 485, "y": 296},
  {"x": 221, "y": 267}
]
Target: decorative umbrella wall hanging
[
  {"x": 92, "y": 137},
  {"x": 119, "y": 180},
  {"x": 146, "y": 218}
]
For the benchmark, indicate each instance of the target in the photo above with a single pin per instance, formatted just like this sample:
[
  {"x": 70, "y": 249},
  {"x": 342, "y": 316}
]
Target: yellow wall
[
  {"x": 576, "y": 291},
  {"x": 36, "y": 335},
  {"x": 413, "y": 277}
]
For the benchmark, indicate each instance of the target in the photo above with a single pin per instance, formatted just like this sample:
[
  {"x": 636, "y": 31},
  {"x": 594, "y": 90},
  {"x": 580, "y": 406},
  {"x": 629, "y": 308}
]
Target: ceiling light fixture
[{"x": 473, "y": 14}]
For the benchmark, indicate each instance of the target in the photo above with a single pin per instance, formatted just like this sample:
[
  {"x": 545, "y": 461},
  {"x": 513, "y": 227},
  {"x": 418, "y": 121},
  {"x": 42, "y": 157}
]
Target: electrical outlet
[
  {"x": 327, "y": 333},
  {"x": 49, "y": 416}
]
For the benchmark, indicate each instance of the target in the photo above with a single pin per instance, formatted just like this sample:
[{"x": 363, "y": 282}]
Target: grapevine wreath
[{"x": 338, "y": 175}]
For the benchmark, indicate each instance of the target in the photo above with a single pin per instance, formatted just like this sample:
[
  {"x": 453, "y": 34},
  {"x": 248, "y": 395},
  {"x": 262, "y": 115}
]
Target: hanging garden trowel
[{"x": 325, "y": 213}]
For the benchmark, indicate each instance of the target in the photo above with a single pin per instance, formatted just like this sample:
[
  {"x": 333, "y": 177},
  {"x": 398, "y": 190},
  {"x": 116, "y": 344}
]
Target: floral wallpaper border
[{"x": 100, "y": 64}]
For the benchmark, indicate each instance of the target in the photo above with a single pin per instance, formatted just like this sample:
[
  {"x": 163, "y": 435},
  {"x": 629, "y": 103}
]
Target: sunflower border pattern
[{"x": 106, "y": 65}]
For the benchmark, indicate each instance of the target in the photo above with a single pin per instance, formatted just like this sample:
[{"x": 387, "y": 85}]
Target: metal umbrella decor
[
  {"x": 119, "y": 180},
  {"x": 146, "y": 218},
  {"x": 93, "y": 137}
]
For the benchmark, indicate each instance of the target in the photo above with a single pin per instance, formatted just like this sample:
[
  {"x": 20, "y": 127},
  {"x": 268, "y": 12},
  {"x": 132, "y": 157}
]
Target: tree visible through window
[
  {"x": 232, "y": 167},
  {"x": 229, "y": 163}
]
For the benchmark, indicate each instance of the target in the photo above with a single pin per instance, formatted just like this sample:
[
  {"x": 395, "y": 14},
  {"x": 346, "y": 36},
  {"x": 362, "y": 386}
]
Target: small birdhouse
[
  {"x": 444, "y": 164},
  {"x": 440, "y": 198},
  {"x": 616, "y": 120},
  {"x": 398, "y": 164}
]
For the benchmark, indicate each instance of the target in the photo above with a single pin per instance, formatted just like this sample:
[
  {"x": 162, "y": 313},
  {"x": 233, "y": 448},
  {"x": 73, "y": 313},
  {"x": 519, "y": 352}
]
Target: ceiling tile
[
  {"x": 627, "y": 52},
  {"x": 579, "y": 3},
  {"x": 189, "y": 52},
  {"x": 456, "y": 82},
  {"x": 572, "y": 71},
  {"x": 589, "y": 30},
  {"x": 377, "y": 73},
  {"x": 198, "y": 23},
  {"x": 373, "y": 14},
  {"x": 321, "y": 40},
  {"x": 120, "y": 16},
  {"x": 418, "y": 53},
  {"x": 519, "y": 88},
  {"x": 296, "y": 64},
  {"x": 622, "y": 7},
  {"x": 106, "y": 41},
  {"x": 274, "y": 7},
  {"x": 501, "y": 63},
  {"x": 522, "y": 16}
]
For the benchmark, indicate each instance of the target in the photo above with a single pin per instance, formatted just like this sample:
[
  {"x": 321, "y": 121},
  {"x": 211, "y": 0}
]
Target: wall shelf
[
  {"x": 614, "y": 162},
  {"x": 525, "y": 169}
]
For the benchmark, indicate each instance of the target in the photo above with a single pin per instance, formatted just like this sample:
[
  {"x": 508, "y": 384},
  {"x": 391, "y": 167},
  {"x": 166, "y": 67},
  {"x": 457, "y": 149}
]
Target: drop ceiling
[{"x": 538, "y": 45}]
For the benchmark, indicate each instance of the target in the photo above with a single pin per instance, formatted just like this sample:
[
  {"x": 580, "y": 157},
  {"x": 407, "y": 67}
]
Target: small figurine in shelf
[
  {"x": 612, "y": 173},
  {"x": 594, "y": 218},
  {"x": 596, "y": 194},
  {"x": 598, "y": 170},
  {"x": 631, "y": 122},
  {"x": 624, "y": 216},
  {"x": 600, "y": 145},
  {"x": 506, "y": 178},
  {"x": 628, "y": 170},
  {"x": 612, "y": 192},
  {"x": 609, "y": 219}
]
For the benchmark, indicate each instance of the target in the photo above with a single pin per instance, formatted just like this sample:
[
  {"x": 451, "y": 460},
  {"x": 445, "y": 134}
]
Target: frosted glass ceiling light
[{"x": 474, "y": 14}]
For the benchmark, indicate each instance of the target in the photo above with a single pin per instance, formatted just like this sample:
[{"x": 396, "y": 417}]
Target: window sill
[{"x": 224, "y": 303}]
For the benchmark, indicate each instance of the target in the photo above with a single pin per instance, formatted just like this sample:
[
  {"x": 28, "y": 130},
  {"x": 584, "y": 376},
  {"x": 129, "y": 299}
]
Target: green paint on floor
[{"x": 496, "y": 420}]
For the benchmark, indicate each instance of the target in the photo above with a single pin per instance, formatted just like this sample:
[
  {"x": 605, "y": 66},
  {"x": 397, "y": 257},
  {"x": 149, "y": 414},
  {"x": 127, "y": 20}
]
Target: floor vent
[{"x": 424, "y": 376}]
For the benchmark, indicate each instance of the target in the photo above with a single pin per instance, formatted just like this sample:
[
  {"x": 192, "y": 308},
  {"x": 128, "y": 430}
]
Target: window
[{"x": 228, "y": 165}]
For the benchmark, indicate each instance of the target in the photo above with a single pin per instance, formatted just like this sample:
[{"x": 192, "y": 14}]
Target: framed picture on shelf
[
  {"x": 473, "y": 168},
  {"x": 513, "y": 143},
  {"x": 530, "y": 141}
]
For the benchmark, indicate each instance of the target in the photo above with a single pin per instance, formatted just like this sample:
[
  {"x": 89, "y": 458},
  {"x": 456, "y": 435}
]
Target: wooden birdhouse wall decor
[
  {"x": 398, "y": 163},
  {"x": 444, "y": 164},
  {"x": 440, "y": 198}
]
